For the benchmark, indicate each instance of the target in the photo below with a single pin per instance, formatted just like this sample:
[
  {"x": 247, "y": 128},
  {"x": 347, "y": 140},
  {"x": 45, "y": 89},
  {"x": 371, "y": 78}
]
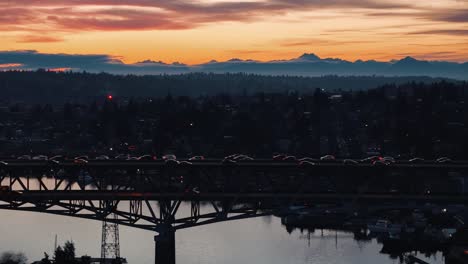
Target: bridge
[{"x": 148, "y": 194}]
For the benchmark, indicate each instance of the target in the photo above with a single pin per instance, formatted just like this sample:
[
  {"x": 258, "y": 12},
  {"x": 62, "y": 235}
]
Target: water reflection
[
  {"x": 258, "y": 240},
  {"x": 363, "y": 239}
]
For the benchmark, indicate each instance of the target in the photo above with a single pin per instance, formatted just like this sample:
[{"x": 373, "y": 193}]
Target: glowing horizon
[{"x": 194, "y": 32}]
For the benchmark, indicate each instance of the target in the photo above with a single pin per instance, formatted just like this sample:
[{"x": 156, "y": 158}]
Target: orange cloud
[
  {"x": 60, "y": 69},
  {"x": 37, "y": 39},
  {"x": 10, "y": 65}
]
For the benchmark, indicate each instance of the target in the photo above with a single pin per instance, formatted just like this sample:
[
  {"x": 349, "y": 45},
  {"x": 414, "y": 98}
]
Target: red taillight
[
  {"x": 465, "y": 252},
  {"x": 109, "y": 97}
]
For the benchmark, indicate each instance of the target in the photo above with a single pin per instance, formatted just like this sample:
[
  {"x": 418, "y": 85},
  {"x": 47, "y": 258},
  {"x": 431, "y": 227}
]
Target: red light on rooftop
[{"x": 132, "y": 147}]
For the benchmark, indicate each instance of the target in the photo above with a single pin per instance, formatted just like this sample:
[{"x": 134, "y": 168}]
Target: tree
[
  {"x": 13, "y": 258},
  {"x": 46, "y": 259},
  {"x": 69, "y": 250},
  {"x": 85, "y": 260},
  {"x": 65, "y": 255},
  {"x": 117, "y": 261},
  {"x": 59, "y": 255}
]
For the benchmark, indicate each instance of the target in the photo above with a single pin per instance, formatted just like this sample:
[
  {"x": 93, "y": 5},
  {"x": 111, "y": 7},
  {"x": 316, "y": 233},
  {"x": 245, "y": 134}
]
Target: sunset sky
[{"x": 192, "y": 31}]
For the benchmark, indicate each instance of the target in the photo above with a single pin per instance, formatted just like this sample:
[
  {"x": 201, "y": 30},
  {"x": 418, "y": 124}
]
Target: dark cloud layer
[
  {"x": 449, "y": 15},
  {"x": 455, "y": 32},
  {"x": 439, "y": 15},
  {"x": 33, "y": 59},
  {"x": 157, "y": 14}
]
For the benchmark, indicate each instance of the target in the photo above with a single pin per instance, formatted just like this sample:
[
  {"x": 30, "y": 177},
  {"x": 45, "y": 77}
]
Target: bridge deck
[
  {"x": 241, "y": 197},
  {"x": 219, "y": 164}
]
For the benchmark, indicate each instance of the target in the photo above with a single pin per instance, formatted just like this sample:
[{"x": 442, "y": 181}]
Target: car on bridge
[
  {"x": 196, "y": 158},
  {"x": 147, "y": 158},
  {"x": 381, "y": 162},
  {"x": 444, "y": 160},
  {"x": 416, "y": 160},
  {"x": 228, "y": 161},
  {"x": 370, "y": 159},
  {"x": 102, "y": 157},
  {"x": 185, "y": 163},
  {"x": 58, "y": 158},
  {"x": 328, "y": 158},
  {"x": 24, "y": 157},
  {"x": 122, "y": 157},
  {"x": 308, "y": 159},
  {"x": 82, "y": 157},
  {"x": 242, "y": 158},
  {"x": 279, "y": 157},
  {"x": 80, "y": 161},
  {"x": 306, "y": 163},
  {"x": 290, "y": 159},
  {"x": 389, "y": 159},
  {"x": 350, "y": 162},
  {"x": 169, "y": 157},
  {"x": 40, "y": 157}
]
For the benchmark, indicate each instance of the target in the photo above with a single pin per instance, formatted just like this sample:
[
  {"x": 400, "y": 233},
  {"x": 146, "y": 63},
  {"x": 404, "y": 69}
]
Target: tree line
[{"x": 54, "y": 87}]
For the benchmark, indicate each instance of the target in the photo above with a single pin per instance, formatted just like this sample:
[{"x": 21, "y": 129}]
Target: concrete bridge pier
[{"x": 165, "y": 247}]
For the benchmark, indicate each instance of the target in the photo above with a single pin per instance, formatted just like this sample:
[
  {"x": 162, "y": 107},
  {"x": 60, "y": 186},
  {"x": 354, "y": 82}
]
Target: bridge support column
[{"x": 165, "y": 247}]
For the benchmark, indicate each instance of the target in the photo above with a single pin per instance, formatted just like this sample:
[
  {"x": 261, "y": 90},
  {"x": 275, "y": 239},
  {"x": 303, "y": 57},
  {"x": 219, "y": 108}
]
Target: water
[{"x": 257, "y": 240}]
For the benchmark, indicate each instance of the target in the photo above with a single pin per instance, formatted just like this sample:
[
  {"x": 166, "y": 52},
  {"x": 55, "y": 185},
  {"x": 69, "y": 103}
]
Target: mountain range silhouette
[{"x": 308, "y": 64}]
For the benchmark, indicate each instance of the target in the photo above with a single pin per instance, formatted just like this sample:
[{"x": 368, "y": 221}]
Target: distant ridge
[
  {"x": 308, "y": 64},
  {"x": 309, "y": 57},
  {"x": 45, "y": 86}
]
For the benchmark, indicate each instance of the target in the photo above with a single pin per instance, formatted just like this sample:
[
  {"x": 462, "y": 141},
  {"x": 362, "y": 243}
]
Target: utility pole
[{"x": 110, "y": 246}]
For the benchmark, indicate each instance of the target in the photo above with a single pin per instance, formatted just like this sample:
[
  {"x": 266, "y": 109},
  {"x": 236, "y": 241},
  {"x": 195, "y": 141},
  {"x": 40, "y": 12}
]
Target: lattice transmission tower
[{"x": 110, "y": 246}]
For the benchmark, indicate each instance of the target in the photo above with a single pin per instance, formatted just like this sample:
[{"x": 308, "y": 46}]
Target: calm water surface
[{"x": 258, "y": 240}]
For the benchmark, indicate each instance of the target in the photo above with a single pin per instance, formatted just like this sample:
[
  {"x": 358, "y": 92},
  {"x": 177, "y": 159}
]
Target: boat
[
  {"x": 384, "y": 226},
  {"x": 315, "y": 218}
]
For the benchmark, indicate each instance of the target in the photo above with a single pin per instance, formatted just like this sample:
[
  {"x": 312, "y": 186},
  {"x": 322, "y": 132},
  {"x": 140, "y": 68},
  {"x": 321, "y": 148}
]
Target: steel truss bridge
[{"x": 148, "y": 194}]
